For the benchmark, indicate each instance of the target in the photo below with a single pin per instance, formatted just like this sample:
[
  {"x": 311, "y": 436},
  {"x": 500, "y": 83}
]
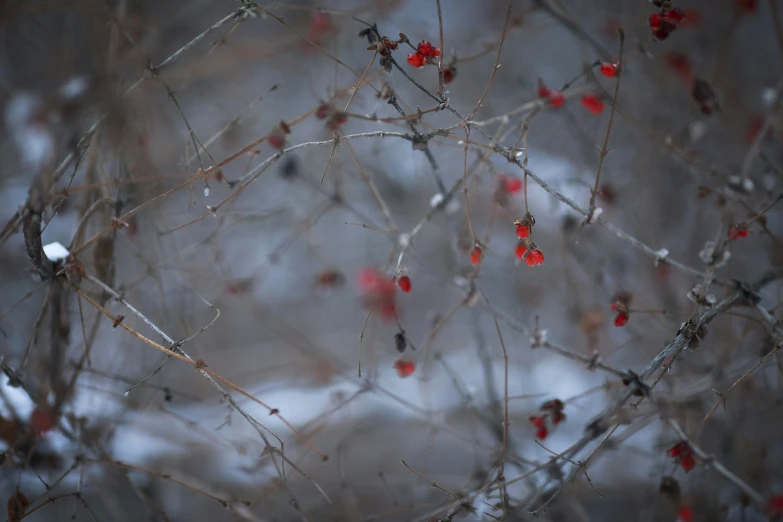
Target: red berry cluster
[
  {"x": 666, "y": 20},
  {"x": 526, "y": 249},
  {"x": 620, "y": 305},
  {"x": 737, "y": 231},
  {"x": 683, "y": 455},
  {"x": 334, "y": 118},
  {"x": 424, "y": 54},
  {"x": 554, "y": 98},
  {"x": 551, "y": 413}
]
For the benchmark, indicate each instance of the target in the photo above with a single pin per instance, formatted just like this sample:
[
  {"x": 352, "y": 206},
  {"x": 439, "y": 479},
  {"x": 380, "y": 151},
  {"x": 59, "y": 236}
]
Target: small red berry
[
  {"x": 449, "y": 74},
  {"x": 520, "y": 250},
  {"x": 476, "y": 254},
  {"x": 534, "y": 257},
  {"x": 614, "y": 306},
  {"x": 675, "y": 15},
  {"x": 523, "y": 231},
  {"x": 621, "y": 319},
  {"x": 775, "y": 505},
  {"x": 277, "y": 140},
  {"x": 42, "y": 420},
  {"x": 512, "y": 184},
  {"x": 679, "y": 449},
  {"x": 404, "y": 368},
  {"x": 556, "y": 99},
  {"x": 593, "y": 103},
  {"x": 687, "y": 463},
  {"x": 404, "y": 282},
  {"x": 417, "y": 60},
  {"x": 543, "y": 90},
  {"x": 542, "y": 432},
  {"x": 736, "y": 232},
  {"x": 685, "y": 513},
  {"x": 537, "y": 421},
  {"x": 427, "y": 49},
  {"x": 558, "y": 417},
  {"x": 609, "y": 69},
  {"x": 323, "y": 111},
  {"x": 655, "y": 21}
]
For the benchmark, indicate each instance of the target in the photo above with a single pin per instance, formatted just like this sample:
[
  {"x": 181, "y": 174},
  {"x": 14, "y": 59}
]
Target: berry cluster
[
  {"x": 551, "y": 413},
  {"x": 554, "y": 98},
  {"x": 683, "y": 455},
  {"x": 424, "y": 54},
  {"x": 527, "y": 249},
  {"x": 666, "y": 20}
]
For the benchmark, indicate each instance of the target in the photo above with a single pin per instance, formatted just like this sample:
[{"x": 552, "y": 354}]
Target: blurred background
[{"x": 259, "y": 261}]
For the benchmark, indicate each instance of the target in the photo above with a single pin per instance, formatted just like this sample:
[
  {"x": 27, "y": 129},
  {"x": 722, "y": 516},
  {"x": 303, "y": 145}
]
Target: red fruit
[
  {"x": 537, "y": 421},
  {"x": 655, "y": 21},
  {"x": 685, "y": 513},
  {"x": 427, "y": 49},
  {"x": 387, "y": 47},
  {"x": 556, "y": 99},
  {"x": 449, "y": 74},
  {"x": 543, "y": 91},
  {"x": 417, "y": 60},
  {"x": 667, "y": 28},
  {"x": 520, "y": 250},
  {"x": 614, "y": 306},
  {"x": 687, "y": 463},
  {"x": 558, "y": 417},
  {"x": 737, "y": 232},
  {"x": 42, "y": 420},
  {"x": 542, "y": 432},
  {"x": 775, "y": 505},
  {"x": 476, "y": 254},
  {"x": 534, "y": 257},
  {"x": 680, "y": 63},
  {"x": 749, "y": 6},
  {"x": 277, "y": 140},
  {"x": 621, "y": 319},
  {"x": 511, "y": 184},
  {"x": 523, "y": 231},
  {"x": 609, "y": 69},
  {"x": 679, "y": 449},
  {"x": 373, "y": 281},
  {"x": 404, "y": 368},
  {"x": 675, "y": 15},
  {"x": 404, "y": 282},
  {"x": 593, "y": 103},
  {"x": 323, "y": 111}
]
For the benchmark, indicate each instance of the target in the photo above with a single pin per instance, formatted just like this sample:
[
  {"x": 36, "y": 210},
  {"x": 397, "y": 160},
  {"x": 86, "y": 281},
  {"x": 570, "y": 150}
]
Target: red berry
[
  {"x": 542, "y": 432},
  {"x": 543, "y": 90},
  {"x": 593, "y": 103},
  {"x": 404, "y": 368},
  {"x": 323, "y": 111},
  {"x": 520, "y": 250},
  {"x": 614, "y": 306},
  {"x": 685, "y": 513},
  {"x": 537, "y": 421},
  {"x": 511, "y": 184},
  {"x": 523, "y": 231},
  {"x": 621, "y": 319},
  {"x": 427, "y": 49},
  {"x": 736, "y": 232},
  {"x": 534, "y": 257},
  {"x": 476, "y": 254},
  {"x": 775, "y": 505},
  {"x": 277, "y": 140},
  {"x": 556, "y": 99},
  {"x": 679, "y": 449},
  {"x": 675, "y": 15},
  {"x": 609, "y": 69},
  {"x": 680, "y": 63},
  {"x": 558, "y": 417},
  {"x": 449, "y": 74},
  {"x": 404, "y": 282},
  {"x": 42, "y": 420},
  {"x": 667, "y": 28},
  {"x": 656, "y": 21},
  {"x": 417, "y": 60},
  {"x": 687, "y": 463},
  {"x": 379, "y": 292}
]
